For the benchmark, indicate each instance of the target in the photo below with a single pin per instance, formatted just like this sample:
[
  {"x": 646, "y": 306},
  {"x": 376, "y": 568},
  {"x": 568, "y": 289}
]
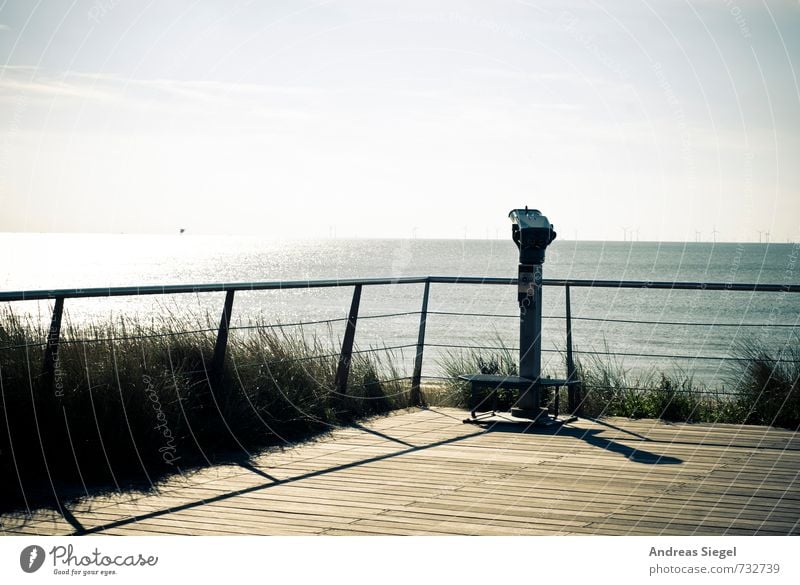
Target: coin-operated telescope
[{"x": 532, "y": 233}]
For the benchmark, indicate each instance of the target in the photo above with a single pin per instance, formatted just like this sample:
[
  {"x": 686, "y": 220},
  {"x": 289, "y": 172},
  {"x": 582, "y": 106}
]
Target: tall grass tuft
[
  {"x": 456, "y": 393},
  {"x": 770, "y": 384},
  {"x": 131, "y": 403},
  {"x": 611, "y": 389}
]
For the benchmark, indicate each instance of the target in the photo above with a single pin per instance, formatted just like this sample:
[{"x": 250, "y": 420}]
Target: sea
[{"x": 639, "y": 331}]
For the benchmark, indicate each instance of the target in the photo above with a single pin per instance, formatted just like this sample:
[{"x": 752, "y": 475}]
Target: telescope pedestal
[
  {"x": 532, "y": 233},
  {"x": 483, "y": 407}
]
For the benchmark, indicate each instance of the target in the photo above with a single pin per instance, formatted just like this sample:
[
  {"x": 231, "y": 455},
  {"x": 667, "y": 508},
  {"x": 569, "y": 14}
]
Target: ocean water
[{"x": 35, "y": 261}]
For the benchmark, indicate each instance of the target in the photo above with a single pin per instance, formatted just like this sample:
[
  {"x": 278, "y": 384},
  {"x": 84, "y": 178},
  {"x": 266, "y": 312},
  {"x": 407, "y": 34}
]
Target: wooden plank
[{"x": 463, "y": 480}]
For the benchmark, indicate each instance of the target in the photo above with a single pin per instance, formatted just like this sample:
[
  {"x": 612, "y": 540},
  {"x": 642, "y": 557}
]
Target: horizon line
[{"x": 365, "y": 238}]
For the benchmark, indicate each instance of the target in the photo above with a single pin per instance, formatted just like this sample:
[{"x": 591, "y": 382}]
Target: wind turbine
[
  {"x": 624, "y": 233},
  {"x": 714, "y": 233}
]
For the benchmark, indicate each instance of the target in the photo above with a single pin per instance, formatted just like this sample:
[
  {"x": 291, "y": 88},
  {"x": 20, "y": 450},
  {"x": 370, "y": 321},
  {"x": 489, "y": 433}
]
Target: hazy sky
[{"x": 380, "y": 118}]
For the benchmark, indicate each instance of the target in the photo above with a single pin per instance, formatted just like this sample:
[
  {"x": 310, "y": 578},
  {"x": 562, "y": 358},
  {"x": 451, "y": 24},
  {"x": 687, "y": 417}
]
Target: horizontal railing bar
[
  {"x": 326, "y": 355},
  {"x": 618, "y": 353},
  {"x": 80, "y": 340},
  {"x": 683, "y": 323},
  {"x": 400, "y": 379},
  {"x": 319, "y": 322},
  {"x": 646, "y": 284},
  {"x": 438, "y": 345},
  {"x": 34, "y": 295},
  {"x": 610, "y": 320},
  {"x": 688, "y": 357},
  {"x": 331, "y": 355},
  {"x": 195, "y": 331},
  {"x": 498, "y": 315},
  {"x": 75, "y": 293},
  {"x": 389, "y": 315},
  {"x": 283, "y": 325},
  {"x": 23, "y": 345},
  {"x": 492, "y": 347}
]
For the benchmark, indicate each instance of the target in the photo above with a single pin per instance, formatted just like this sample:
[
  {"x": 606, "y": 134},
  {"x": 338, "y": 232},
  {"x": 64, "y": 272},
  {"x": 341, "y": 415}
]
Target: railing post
[
  {"x": 416, "y": 394},
  {"x": 343, "y": 369},
  {"x": 573, "y": 390},
  {"x": 51, "y": 349},
  {"x": 221, "y": 345}
]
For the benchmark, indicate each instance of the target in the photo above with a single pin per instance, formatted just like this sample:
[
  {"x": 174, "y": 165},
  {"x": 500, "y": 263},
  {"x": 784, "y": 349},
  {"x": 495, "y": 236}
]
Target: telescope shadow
[{"x": 590, "y": 436}]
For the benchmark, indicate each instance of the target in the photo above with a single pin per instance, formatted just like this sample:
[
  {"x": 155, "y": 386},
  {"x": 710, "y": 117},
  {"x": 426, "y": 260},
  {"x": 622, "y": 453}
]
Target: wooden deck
[{"x": 424, "y": 472}]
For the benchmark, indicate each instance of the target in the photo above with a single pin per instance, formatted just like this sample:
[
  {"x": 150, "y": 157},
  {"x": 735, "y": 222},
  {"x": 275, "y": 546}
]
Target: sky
[{"x": 662, "y": 120}]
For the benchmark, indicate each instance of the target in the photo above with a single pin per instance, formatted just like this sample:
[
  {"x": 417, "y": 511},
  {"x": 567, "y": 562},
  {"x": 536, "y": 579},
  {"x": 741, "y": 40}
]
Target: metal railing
[{"x": 346, "y": 352}]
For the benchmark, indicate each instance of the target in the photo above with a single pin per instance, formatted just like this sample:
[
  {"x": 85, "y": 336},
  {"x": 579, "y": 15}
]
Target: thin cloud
[
  {"x": 21, "y": 79},
  {"x": 226, "y": 103},
  {"x": 264, "y": 101},
  {"x": 52, "y": 89}
]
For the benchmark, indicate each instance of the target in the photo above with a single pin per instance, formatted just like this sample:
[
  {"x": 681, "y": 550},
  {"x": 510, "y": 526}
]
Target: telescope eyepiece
[{"x": 532, "y": 232}]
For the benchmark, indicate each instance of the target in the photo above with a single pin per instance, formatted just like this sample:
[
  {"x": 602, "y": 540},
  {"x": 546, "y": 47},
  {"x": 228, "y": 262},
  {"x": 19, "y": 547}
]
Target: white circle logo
[{"x": 31, "y": 558}]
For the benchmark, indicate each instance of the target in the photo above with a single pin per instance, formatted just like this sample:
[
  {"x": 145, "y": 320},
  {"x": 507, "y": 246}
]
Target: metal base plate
[{"x": 535, "y": 415}]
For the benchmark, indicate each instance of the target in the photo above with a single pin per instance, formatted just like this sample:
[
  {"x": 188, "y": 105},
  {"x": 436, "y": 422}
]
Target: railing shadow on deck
[
  {"x": 589, "y": 436},
  {"x": 263, "y": 486}
]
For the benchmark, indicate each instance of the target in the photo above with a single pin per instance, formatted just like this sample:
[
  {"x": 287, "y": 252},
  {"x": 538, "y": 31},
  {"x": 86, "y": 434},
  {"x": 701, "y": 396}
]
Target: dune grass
[
  {"x": 770, "y": 389},
  {"x": 130, "y": 404},
  {"x": 763, "y": 387}
]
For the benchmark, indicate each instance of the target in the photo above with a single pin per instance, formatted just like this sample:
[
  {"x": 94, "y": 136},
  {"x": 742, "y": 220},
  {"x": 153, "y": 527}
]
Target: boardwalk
[{"x": 424, "y": 472}]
